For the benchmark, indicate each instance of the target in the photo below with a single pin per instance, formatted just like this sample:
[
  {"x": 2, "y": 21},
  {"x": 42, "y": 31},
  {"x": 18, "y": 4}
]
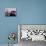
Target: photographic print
[
  {"x": 33, "y": 32},
  {"x": 10, "y": 11}
]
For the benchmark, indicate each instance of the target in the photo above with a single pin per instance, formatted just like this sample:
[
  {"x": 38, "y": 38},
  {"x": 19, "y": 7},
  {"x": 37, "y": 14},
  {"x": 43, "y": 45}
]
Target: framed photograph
[
  {"x": 10, "y": 11},
  {"x": 32, "y": 32}
]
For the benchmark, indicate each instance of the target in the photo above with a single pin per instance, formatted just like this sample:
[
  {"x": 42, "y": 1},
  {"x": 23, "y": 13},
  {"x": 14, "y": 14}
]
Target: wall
[{"x": 28, "y": 12}]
